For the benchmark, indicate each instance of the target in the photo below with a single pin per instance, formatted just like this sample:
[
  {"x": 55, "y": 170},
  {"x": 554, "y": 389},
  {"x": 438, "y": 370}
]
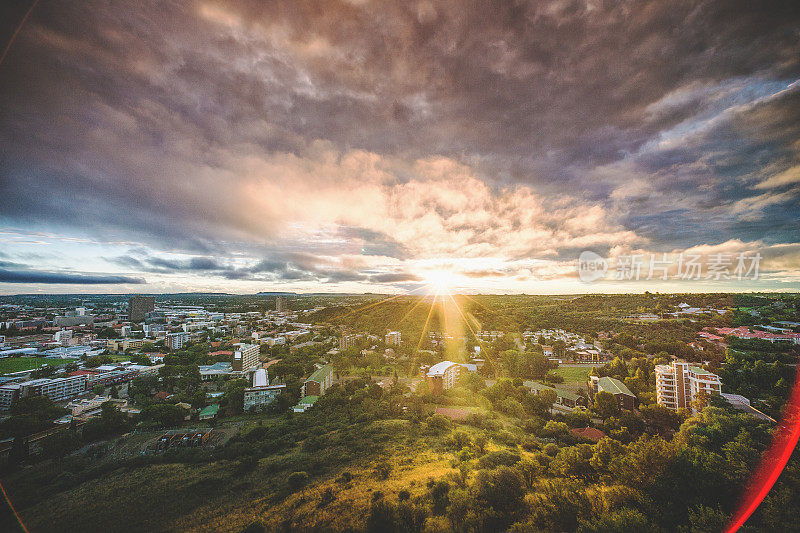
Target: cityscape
[{"x": 392, "y": 266}]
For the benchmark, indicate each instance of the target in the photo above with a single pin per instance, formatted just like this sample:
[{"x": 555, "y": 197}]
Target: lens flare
[{"x": 440, "y": 281}]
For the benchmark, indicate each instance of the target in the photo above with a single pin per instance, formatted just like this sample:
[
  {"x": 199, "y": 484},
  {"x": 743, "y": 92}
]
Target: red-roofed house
[{"x": 587, "y": 433}]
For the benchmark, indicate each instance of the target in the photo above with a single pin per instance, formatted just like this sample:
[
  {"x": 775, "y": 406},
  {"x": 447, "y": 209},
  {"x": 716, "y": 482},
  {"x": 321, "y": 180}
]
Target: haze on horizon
[{"x": 374, "y": 146}]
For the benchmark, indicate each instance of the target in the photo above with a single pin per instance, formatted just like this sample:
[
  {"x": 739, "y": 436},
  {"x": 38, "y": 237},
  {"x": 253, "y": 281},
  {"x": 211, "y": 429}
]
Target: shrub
[
  {"x": 297, "y": 479},
  {"x": 498, "y": 458}
]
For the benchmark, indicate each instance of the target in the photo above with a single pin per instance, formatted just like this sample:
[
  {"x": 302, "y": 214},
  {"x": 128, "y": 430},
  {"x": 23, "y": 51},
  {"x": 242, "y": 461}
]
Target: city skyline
[{"x": 390, "y": 147}]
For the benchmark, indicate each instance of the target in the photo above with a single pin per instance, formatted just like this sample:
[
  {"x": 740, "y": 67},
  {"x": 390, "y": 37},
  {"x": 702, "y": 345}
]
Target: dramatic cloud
[
  {"x": 33, "y": 276},
  {"x": 231, "y": 145}
]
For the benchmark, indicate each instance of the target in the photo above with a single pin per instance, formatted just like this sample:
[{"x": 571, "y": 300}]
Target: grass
[
  {"x": 574, "y": 376},
  {"x": 219, "y": 497},
  {"x": 17, "y": 364}
]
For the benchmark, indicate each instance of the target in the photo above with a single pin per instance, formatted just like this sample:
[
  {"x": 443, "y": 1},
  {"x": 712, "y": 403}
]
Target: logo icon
[{"x": 591, "y": 266}]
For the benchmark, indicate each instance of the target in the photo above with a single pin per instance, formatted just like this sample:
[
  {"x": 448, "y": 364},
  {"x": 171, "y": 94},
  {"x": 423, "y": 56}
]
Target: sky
[{"x": 376, "y": 146}]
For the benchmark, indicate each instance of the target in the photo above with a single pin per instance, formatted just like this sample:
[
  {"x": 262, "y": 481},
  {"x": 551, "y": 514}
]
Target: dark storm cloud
[
  {"x": 34, "y": 276},
  {"x": 131, "y": 120}
]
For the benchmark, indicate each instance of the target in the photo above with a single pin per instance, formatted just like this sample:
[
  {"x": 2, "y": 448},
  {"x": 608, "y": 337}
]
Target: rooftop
[
  {"x": 320, "y": 374},
  {"x": 439, "y": 368},
  {"x": 614, "y": 386}
]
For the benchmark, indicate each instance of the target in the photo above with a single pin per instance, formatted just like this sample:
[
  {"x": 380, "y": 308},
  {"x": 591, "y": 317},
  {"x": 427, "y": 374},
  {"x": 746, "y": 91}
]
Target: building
[
  {"x": 261, "y": 393},
  {"x": 245, "y": 357},
  {"x": 564, "y": 397},
  {"x": 740, "y": 403},
  {"x": 442, "y": 376},
  {"x": 318, "y": 382},
  {"x": 393, "y": 337},
  {"x": 152, "y": 330},
  {"x": 8, "y": 395},
  {"x": 347, "y": 341},
  {"x": 139, "y": 306},
  {"x": 679, "y": 384},
  {"x": 209, "y": 412},
  {"x": 217, "y": 370},
  {"x": 176, "y": 341},
  {"x": 63, "y": 337},
  {"x": 71, "y": 321},
  {"x": 305, "y": 403},
  {"x": 281, "y": 304},
  {"x": 591, "y": 434},
  {"x": 625, "y": 398},
  {"x": 123, "y": 345},
  {"x": 57, "y": 389}
]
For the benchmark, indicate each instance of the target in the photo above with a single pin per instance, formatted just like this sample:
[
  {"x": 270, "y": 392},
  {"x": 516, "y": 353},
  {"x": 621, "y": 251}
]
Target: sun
[{"x": 440, "y": 281}]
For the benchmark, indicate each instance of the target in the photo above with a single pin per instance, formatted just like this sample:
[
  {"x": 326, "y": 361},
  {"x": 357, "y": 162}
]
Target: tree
[
  {"x": 501, "y": 493},
  {"x": 297, "y": 480},
  {"x": 382, "y": 517},
  {"x": 547, "y": 397},
  {"x": 439, "y": 493},
  {"x": 605, "y": 404}
]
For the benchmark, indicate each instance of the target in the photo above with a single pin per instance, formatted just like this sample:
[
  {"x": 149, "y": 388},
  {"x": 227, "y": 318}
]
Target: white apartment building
[
  {"x": 57, "y": 389},
  {"x": 393, "y": 337},
  {"x": 245, "y": 356},
  {"x": 176, "y": 341},
  {"x": 442, "y": 376},
  {"x": 63, "y": 337},
  {"x": 679, "y": 384},
  {"x": 347, "y": 341}
]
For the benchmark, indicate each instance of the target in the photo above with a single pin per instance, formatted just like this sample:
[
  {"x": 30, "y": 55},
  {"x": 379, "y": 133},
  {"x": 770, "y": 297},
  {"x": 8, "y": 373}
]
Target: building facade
[
  {"x": 442, "y": 376},
  {"x": 318, "y": 382},
  {"x": 261, "y": 393},
  {"x": 245, "y": 356},
  {"x": 393, "y": 337},
  {"x": 625, "y": 398},
  {"x": 176, "y": 341},
  {"x": 139, "y": 306},
  {"x": 57, "y": 389},
  {"x": 679, "y": 384},
  {"x": 347, "y": 341}
]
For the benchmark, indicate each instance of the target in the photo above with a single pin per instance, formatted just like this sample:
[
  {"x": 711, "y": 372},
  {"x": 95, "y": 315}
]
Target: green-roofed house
[
  {"x": 318, "y": 382},
  {"x": 209, "y": 412},
  {"x": 564, "y": 397},
  {"x": 305, "y": 403},
  {"x": 626, "y": 399}
]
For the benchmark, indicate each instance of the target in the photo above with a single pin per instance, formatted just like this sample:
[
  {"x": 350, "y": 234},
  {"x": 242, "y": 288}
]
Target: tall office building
[
  {"x": 281, "y": 304},
  {"x": 139, "y": 306},
  {"x": 679, "y": 384}
]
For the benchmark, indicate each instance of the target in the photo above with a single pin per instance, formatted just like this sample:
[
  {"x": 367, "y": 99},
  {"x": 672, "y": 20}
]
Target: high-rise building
[
  {"x": 442, "y": 376},
  {"x": 176, "y": 341},
  {"x": 679, "y": 384},
  {"x": 281, "y": 304},
  {"x": 245, "y": 356},
  {"x": 393, "y": 337},
  {"x": 346, "y": 341},
  {"x": 139, "y": 306},
  {"x": 63, "y": 337}
]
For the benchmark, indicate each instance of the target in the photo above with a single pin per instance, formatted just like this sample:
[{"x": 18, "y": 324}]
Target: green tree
[{"x": 605, "y": 404}]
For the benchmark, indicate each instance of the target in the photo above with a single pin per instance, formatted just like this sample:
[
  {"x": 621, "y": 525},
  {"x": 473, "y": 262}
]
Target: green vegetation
[
  {"x": 17, "y": 364},
  {"x": 391, "y": 459},
  {"x": 574, "y": 375}
]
